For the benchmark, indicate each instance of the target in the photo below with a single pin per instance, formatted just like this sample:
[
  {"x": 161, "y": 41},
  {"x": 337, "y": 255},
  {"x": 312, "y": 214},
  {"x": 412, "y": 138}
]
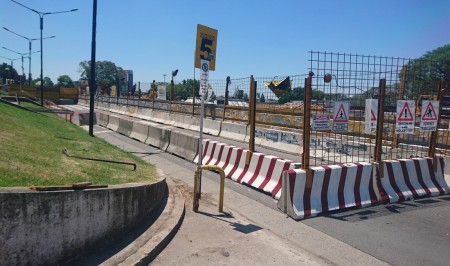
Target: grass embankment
[{"x": 31, "y": 153}]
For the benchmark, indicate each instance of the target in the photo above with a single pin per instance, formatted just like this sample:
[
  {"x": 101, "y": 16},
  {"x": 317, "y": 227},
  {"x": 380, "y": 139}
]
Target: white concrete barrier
[
  {"x": 162, "y": 117},
  {"x": 139, "y": 131},
  {"x": 411, "y": 178},
  {"x": 125, "y": 126},
  {"x": 212, "y": 127},
  {"x": 233, "y": 131},
  {"x": 103, "y": 119},
  {"x": 183, "y": 145},
  {"x": 144, "y": 113},
  {"x": 333, "y": 187},
  {"x": 158, "y": 136},
  {"x": 113, "y": 122},
  {"x": 184, "y": 121}
]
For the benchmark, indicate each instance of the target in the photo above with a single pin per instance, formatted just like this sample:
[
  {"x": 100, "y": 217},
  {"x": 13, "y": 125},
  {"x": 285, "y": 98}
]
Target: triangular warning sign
[
  {"x": 341, "y": 116},
  {"x": 405, "y": 114},
  {"x": 430, "y": 114},
  {"x": 373, "y": 118}
]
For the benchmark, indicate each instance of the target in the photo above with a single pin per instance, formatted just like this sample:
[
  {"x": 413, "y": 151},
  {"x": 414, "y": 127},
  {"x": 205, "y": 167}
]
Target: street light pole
[
  {"x": 41, "y": 20},
  {"x": 30, "y": 40},
  {"x": 22, "y": 56}
]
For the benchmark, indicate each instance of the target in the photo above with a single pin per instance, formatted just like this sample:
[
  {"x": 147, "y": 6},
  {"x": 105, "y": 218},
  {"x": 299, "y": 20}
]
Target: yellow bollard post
[{"x": 222, "y": 185}]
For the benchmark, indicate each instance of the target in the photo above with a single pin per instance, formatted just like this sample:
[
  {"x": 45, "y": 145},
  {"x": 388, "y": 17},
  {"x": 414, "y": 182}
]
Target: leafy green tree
[
  {"x": 48, "y": 81},
  {"x": 262, "y": 98},
  {"x": 107, "y": 73},
  {"x": 64, "y": 81},
  {"x": 8, "y": 72},
  {"x": 183, "y": 90},
  {"x": 424, "y": 73}
]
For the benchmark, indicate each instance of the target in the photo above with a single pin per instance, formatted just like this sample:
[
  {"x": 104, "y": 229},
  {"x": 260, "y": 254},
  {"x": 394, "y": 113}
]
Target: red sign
[
  {"x": 405, "y": 114},
  {"x": 341, "y": 116}
]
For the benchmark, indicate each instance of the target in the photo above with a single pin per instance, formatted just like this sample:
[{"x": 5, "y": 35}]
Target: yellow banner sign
[{"x": 206, "y": 46}]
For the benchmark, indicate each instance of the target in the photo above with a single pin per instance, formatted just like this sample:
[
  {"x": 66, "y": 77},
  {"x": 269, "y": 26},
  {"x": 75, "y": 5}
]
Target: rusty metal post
[
  {"x": 193, "y": 97},
  {"x": 380, "y": 120},
  {"x": 139, "y": 90},
  {"x": 155, "y": 93},
  {"x": 307, "y": 130},
  {"x": 400, "y": 97},
  {"x": 252, "y": 114},
  {"x": 228, "y": 81},
  {"x": 434, "y": 135}
]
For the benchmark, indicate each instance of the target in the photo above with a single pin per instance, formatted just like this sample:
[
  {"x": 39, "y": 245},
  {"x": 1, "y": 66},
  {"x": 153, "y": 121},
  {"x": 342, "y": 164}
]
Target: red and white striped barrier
[
  {"x": 411, "y": 178},
  {"x": 263, "y": 172},
  {"x": 333, "y": 187}
]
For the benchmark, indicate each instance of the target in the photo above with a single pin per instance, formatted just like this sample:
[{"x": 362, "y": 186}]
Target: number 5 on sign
[{"x": 205, "y": 45}]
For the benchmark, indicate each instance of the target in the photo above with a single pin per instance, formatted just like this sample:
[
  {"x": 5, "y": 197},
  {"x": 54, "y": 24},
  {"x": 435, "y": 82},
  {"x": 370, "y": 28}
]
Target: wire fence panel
[{"x": 353, "y": 79}]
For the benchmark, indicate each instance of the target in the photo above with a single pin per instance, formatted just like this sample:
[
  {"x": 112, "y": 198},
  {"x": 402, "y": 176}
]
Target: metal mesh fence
[{"x": 355, "y": 78}]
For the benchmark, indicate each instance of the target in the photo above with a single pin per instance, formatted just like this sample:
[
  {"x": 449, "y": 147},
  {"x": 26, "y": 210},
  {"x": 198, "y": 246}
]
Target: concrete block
[
  {"x": 139, "y": 131},
  {"x": 113, "y": 122},
  {"x": 158, "y": 136},
  {"x": 212, "y": 127},
  {"x": 103, "y": 119},
  {"x": 125, "y": 126},
  {"x": 183, "y": 145},
  {"x": 233, "y": 131}
]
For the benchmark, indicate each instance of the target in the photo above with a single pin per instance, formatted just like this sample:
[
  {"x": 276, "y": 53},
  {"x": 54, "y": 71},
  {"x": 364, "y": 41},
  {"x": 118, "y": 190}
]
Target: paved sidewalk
[{"x": 252, "y": 231}]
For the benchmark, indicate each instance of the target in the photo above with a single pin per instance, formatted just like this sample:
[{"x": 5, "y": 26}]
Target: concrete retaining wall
[{"x": 48, "y": 228}]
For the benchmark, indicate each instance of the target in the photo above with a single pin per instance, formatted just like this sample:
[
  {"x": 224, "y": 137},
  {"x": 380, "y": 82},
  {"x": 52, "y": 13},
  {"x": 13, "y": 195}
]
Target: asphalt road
[{"x": 409, "y": 233}]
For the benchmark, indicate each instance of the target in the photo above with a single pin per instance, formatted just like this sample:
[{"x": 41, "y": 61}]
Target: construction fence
[{"x": 348, "y": 108}]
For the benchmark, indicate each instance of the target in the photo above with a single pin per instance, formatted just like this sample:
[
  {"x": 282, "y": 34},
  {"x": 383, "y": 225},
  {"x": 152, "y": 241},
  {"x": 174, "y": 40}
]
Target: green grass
[{"x": 31, "y": 153}]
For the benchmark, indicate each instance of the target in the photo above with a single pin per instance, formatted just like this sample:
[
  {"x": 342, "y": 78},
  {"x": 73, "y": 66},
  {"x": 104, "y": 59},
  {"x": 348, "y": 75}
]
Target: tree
[
  {"x": 262, "y": 98},
  {"x": 183, "y": 90},
  {"x": 48, "y": 81},
  {"x": 107, "y": 73},
  {"x": 7, "y": 72},
  {"x": 64, "y": 81},
  {"x": 424, "y": 73},
  {"x": 238, "y": 94}
]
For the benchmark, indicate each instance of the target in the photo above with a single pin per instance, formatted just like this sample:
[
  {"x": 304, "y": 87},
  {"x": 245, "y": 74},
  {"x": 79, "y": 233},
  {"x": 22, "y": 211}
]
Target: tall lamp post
[
  {"x": 11, "y": 60},
  {"x": 21, "y": 55},
  {"x": 29, "y": 49},
  {"x": 41, "y": 20},
  {"x": 12, "y": 66}
]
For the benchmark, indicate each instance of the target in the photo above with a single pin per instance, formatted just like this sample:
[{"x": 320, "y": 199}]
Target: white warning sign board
[
  {"x": 321, "y": 122},
  {"x": 429, "y": 115},
  {"x": 371, "y": 116},
  {"x": 162, "y": 92},
  {"x": 405, "y": 117},
  {"x": 340, "y": 116},
  {"x": 204, "y": 77}
]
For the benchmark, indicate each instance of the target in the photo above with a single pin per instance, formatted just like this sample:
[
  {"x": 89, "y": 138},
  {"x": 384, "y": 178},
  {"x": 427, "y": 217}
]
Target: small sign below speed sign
[{"x": 204, "y": 77}]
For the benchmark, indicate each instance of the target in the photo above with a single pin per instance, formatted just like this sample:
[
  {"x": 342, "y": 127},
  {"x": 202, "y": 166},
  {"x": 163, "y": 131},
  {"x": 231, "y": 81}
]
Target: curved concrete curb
[{"x": 148, "y": 245}]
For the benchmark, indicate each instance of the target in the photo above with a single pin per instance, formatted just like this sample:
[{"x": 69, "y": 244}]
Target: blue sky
[{"x": 263, "y": 38}]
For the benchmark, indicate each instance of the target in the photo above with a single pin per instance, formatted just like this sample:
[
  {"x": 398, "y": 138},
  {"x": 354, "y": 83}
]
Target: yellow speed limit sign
[{"x": 206, "y": 45}]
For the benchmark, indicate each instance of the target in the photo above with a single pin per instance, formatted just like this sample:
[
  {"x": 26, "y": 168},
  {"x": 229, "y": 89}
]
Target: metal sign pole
[{"x": 203, "y": 92}]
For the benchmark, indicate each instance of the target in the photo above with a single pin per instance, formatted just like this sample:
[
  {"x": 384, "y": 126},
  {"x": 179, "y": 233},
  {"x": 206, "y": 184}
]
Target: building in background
[{"x": 128, "y": 82}]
